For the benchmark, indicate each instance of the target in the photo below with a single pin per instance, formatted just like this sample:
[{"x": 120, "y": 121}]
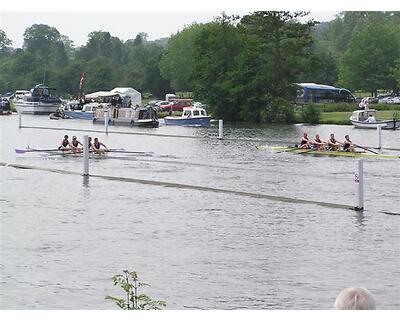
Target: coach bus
[{"x": 320, "y": 93}]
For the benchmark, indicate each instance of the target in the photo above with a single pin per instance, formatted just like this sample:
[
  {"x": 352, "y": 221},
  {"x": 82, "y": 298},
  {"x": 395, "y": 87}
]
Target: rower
[
  {"x": 96, "y": 146},
  {"x": 332, "y": 143},
  {"x": 305, "y": 141},
  {"x": 65, "y": 145},
  {"x": 75, "y": 144},
  {"x": 318, "y": 143},
  {"x": 348, "y": 144}
]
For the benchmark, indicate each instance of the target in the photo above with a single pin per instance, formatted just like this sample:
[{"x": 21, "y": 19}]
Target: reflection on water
[
  {"x": 360, "y": 219},
  {"x": 63, "y": 237},
  {"x": 85, "y": 182}
]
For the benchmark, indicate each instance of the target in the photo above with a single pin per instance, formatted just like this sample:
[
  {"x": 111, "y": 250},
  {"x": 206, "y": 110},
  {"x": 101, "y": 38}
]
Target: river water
[{"x": 63, "y": 237}]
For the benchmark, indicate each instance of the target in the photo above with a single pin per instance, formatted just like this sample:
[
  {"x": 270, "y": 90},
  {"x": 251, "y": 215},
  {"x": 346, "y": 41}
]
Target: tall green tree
[
  {"x": 39, "y": 38},
  {"x": 281, "y": 45},
  {"x": 177, "y": 61},
  {"x": 214, "y": 62},
  {"x": 5, "y": 43},
  {"x": 369, "y": 59}
]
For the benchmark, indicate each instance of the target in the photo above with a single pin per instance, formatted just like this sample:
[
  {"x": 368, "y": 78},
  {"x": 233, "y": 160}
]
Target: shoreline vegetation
[
  {"x": 339, "y": 113},
  {"x": 244, "y": 68},
  {"x": 326, "y": 113}
]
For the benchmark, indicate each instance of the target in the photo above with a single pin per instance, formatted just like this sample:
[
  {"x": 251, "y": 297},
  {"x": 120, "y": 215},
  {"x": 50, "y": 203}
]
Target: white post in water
[
  {"x": 379, "y": 128},
  {"x": 106, "y": 121},
  {"x": 19, "y": 118},
  {"x": 220, "y": 129},
  {"x": 85, "y": 155},
  {"x": 359, "y": 180}
]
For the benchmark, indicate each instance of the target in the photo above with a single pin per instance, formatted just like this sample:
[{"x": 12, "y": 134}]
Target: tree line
[{"x": 244, "y": 68}]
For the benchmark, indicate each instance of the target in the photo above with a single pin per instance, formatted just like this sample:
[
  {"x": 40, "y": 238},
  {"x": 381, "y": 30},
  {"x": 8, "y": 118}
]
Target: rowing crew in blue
[{"x": 332, "y": 144}]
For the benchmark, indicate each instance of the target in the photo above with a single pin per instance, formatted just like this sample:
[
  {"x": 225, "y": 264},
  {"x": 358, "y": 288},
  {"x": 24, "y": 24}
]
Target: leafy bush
[
  {"x": 310, "y": 114},
  {"x": 130, "y": 283}
]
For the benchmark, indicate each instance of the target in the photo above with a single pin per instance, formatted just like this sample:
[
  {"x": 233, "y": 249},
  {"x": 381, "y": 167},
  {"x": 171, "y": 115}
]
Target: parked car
[
  {"x": 159, "y": 104},
  {"x": 371, "y": 100},
  {"x": 177, "y": 105},
  {"x": 390, "y": 100}
]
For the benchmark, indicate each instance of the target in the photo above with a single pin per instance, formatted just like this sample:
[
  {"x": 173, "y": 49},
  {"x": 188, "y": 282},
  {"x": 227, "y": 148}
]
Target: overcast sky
[
  {"x": 158, "y": 18},
  {"x": 77, "y": 25}
]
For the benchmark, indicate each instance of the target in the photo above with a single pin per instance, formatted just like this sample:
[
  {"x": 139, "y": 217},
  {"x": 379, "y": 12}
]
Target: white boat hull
[
  {"x": 390, "y": 124},
  {"x": 26, "y": 107}
]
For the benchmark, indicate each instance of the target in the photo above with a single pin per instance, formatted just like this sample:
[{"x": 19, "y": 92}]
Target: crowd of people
[
  {"x": 76, "y": 146},
  {"x": 331, "y": 144}
]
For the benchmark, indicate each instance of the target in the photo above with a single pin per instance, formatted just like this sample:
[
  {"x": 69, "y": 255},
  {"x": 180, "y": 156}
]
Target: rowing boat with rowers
[
  {"x": 335, "y": 153},
  {"x": 71, "y": 152}
]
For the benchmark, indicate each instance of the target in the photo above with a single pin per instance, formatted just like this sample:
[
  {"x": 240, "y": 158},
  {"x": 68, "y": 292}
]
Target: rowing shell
[
  {"x": 70, "y": 152},
  {"x": 336, "y": 153}
]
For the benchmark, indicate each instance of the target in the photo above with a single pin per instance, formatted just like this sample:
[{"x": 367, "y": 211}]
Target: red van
[{"x": 177, "y": 105}]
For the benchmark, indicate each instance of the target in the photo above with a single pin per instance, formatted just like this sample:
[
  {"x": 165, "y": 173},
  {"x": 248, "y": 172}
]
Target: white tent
[
  {"x": 136, "y": 96},
  {"x": 98, "y": 94}
]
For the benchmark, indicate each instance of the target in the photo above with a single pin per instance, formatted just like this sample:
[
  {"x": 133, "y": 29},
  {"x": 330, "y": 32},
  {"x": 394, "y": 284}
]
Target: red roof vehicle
[{"x": 177, "y": 105}]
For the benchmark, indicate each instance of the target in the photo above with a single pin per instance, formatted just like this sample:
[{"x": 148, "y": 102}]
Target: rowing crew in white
[
  {"x": 77, "y": 147},
  {"x": 332, "y": 144}
]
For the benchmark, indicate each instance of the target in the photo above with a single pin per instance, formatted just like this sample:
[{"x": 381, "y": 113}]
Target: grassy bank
[{"x": 343, "y": 117}]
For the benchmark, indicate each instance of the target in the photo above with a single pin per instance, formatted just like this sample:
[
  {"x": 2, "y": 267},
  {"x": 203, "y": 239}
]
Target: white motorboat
[
  {"x": 366, "y": 119},
  {"x": 39, "y": 101},
  {"x": 190, "y": 117}
]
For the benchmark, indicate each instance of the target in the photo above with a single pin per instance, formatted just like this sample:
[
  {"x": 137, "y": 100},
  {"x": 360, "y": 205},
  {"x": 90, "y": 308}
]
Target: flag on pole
[{"x": 81, "y": 81}]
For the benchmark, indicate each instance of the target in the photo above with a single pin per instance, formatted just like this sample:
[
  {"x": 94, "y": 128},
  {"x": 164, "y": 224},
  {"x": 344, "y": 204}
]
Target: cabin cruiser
[
  {"x": 192, "y": 116},
  {"x": 87, "y": 111},
  {"x": 38, "y": 101}
]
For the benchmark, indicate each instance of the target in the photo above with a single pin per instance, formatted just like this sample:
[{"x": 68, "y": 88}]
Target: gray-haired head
[{"x": 355, "y": 299}]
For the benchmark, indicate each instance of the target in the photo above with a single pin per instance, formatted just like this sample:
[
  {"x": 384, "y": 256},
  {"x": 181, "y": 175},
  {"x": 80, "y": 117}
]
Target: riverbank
[
  {"x": 343, "y": 117},
  {"x": 339, "y": 113}
]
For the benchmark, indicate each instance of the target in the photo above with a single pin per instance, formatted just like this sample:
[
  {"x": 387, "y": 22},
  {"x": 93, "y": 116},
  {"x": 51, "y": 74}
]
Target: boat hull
[
  {"x": 27, "y": 107},
  {"x": 195, "y": 121},
  {"x": 336, "y": 153},
  {"x": 389, "y": 124},
  {"x": 148, "y": 123},
  {"x": 85, "y": 115}
]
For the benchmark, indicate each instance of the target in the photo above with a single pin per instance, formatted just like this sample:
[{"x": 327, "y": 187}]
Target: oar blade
[{"x": 20, "y": 150}]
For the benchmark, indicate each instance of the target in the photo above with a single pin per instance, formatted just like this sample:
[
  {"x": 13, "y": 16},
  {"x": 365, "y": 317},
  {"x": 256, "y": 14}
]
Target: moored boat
[
  {"x": 192, "y": 116},
  {"x": 87, "y": 112},
  {"x": 361, "y": 119},
  {"x": 137, "y": 116},
  {"x": 38, "y": 101}
]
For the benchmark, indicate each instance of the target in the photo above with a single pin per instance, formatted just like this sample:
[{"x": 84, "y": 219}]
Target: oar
[
  {"x": 356, "y": 145},
  {"x": 131, "y": 152},
  {"x": 289, "y": 149},
  {"x": 34, "y": 150}
]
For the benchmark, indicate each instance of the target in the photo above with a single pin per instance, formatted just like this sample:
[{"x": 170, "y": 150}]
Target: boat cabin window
[
  {"x": 202, "y": 112},
  {"x": 186, "y": 113},
  {"x": 196, "y": 113}
]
